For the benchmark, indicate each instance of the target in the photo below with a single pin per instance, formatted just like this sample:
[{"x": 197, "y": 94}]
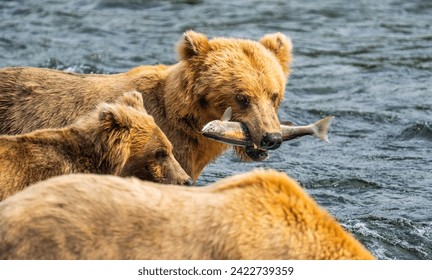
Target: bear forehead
[
  {"x": 244, "y": 75},
  {"x": 246, "y": 59},
  {"x": 151, "y": 138},
  {"x": 239, "y": 49},
  {"x": 144, "y": 125}
]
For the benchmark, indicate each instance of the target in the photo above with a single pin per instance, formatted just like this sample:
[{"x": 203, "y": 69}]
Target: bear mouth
[{"x": 256, "y": 154}]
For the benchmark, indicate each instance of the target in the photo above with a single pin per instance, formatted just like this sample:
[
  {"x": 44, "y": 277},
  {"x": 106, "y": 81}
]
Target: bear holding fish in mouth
[{"x": 211, "y": 75}]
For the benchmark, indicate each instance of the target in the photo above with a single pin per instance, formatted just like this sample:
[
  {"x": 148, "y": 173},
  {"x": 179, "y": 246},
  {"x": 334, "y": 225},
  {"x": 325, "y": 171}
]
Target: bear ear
[
  {"x": 132, "y": 99},
  {"x": 113, "y": 118},
  {"x": 192, "y": 44},
  {"x": 281, "y": 46}
]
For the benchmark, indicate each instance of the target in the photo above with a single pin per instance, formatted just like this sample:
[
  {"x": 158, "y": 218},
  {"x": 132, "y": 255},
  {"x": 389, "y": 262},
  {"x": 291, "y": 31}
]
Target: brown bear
[
  {"x": 211, "y": 76},
  {"x": 119, "y": 139},
  {"x": 257, "y": 215}
]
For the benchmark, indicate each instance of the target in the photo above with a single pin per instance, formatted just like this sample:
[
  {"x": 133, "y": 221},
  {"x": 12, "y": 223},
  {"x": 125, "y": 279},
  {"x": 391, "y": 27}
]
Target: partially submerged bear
[
  {"x": 211, "y": 75},
  {"x": 257, "y": 215},
  {"x": 119, "y": 139}
]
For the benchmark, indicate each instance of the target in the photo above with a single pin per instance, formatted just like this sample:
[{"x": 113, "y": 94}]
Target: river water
[{"x": 367, "y": 62}]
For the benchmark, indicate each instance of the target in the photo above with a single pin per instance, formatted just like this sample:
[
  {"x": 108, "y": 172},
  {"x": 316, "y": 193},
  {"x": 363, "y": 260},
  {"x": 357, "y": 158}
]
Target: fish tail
[{"x": 321, "y": 127}]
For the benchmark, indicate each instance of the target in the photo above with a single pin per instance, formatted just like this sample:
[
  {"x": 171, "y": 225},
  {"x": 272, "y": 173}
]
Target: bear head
[
  {"x": 248, "y": 76},
  {"x": 133, "y": 145}
]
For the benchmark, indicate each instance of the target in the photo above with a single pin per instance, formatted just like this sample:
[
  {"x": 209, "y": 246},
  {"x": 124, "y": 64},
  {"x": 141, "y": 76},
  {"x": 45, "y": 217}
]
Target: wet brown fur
[
  {"x": 119, "y": 139},
  {"x": 257, "y": 215},
  {"x": 182, "y": 98}
]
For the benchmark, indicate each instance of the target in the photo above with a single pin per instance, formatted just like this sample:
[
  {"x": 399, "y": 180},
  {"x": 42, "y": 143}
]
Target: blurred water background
[{"x": 367, "y": 62}]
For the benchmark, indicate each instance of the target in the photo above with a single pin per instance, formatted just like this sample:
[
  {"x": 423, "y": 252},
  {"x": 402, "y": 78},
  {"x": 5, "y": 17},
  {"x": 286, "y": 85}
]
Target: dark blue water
[{"x": 369, "y": 63}]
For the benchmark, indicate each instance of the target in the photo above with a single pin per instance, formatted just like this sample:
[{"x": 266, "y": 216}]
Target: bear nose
[
  {"x": 189, "y": 182},
  {"x": 271, "y": 141}
]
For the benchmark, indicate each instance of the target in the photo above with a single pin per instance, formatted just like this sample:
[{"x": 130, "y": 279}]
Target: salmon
[{"x": 237, "y": 134}]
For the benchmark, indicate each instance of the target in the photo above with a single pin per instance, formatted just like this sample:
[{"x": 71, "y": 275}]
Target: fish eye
[
  {"x": 242, "y": 100},
  {"x": 161, "y": 154}
]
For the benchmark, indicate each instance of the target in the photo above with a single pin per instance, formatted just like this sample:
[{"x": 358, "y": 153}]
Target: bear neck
[{"x": 175, "y": 109}]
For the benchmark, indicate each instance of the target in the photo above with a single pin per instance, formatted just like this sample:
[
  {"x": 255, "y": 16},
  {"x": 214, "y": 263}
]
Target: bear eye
[
  {"x": 161, "y": 154},
  {"x": 242, "y": 100}
]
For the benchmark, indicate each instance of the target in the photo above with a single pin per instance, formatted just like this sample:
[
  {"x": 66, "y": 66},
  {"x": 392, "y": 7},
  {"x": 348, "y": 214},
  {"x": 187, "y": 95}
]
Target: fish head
[{"x": 215, "y": 127}]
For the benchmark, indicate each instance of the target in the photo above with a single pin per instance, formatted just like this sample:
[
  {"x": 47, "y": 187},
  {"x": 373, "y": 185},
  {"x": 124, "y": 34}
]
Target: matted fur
[
  {"x": 119, "y": 139},
  {"x": 211, "y": 75},
  {"x": 256, "y": 215}
]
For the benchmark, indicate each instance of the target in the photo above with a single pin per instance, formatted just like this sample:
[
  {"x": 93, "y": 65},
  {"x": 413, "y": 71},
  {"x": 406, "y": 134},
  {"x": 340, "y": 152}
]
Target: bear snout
[
  {"x": 271, "y": 141},
  {"x": 189, "y": 182}
]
